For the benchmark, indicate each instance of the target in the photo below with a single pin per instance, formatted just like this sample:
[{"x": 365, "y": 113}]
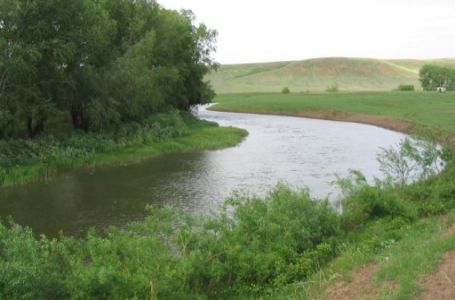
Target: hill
[{"x": 350, "y": 74}]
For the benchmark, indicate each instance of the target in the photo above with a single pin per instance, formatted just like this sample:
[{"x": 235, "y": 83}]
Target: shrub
[
  {"x": 375, "y": 202},
  {"x": 285, "y": 90},
  {"x": 406, "y": 88},
  {"x": 332, "y": 88},
  {"x": 265, "y": 241},
  {"x": 262, "y": 244}
]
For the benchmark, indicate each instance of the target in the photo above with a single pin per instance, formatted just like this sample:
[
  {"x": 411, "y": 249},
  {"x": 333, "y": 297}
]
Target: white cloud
[{"x": 254, "y": 30}]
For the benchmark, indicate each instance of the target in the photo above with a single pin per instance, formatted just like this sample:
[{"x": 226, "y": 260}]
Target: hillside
[{"x": 350, "y": 74}]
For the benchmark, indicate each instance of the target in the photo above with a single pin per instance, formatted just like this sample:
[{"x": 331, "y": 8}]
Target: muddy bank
[{"x": 390, "y": 123}]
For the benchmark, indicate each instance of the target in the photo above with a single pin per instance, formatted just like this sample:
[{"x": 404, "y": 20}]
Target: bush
[
  {"x": 410, "y": 189},
  {"x": 406, "y": 88},
  {"x": 375, "y": 202},
  {"x": 332, "y": 88},
  {"x": 285, "y": 90},
  {"x": 264, "y": 243}
]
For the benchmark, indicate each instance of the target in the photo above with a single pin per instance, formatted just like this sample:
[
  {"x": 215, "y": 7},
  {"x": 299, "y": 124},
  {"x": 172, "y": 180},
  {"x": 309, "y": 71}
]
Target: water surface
[{"x": 301, "y": 152}]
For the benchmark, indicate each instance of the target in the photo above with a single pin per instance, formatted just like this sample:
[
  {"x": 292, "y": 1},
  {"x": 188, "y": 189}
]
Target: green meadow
[{"x": 419, "y": 108}]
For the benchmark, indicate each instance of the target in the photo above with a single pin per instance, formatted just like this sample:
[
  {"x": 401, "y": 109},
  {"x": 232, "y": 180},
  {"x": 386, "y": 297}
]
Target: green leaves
[
  {"x": 434, "y": 76},
  {"x": 101, "y": 62}
]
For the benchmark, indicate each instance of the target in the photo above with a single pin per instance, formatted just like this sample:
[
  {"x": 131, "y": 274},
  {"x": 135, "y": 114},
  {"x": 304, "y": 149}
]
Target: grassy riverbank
[
  {"x": 285, "y": 245},
  {"x": 402, "y": 111},
  {"x": 385, "y": 243},
  {"x": 386, "y": 260},
  {"x": 26, "y": 160}
]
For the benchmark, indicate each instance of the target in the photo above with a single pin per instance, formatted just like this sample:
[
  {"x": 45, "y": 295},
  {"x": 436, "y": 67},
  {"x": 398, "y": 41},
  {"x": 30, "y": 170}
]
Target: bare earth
[
  {"x": 359, "y": 287},
  {"x": 380, "y": 121},
  {"x": 441, "y": 284}
]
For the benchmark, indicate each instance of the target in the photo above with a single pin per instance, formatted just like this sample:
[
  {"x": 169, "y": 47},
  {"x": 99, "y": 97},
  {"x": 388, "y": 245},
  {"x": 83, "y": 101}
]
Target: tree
[
  {"x": 434, "y": 76},
  {"x": 100, "y": 62}
]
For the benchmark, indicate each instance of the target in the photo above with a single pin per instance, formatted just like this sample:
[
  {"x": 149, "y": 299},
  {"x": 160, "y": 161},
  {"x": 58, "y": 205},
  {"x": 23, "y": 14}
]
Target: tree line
[
  {"x": 98, "y": 63},
  {"x": 435, "y": 76}
]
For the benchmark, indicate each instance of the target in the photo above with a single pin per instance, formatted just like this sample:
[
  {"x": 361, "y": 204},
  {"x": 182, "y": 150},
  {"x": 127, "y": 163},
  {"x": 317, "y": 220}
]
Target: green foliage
[
  {"x": 412, "y": 187},
  {"x": 58, "y": 150},
  {"x": 253, "y": 247},
  {"x": 375, "y": 202},
  {"x": 171, "y": 255},
  {"x": 285, "y": 90},
  {"x": 414, "y": 160},
  {"x": 406, "y": 88},
  {"x": 434, "y": 76},
  {"x": 268, "y": 242},
  {"x": 100, "y": 63}
]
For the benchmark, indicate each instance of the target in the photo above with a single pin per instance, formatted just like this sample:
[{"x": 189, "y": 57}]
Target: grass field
[
  {"x": 350, "y": 74},
  {"x": 415, "y": 108}
]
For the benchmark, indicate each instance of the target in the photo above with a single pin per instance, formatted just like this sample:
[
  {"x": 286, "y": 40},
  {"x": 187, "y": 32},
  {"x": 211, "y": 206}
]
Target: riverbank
[
  {"x": 388, "y": 258},
  {"x": 407, "y": 112},
  {"x": 286, "y": 245},
  {"x": 25, "y": 161}
]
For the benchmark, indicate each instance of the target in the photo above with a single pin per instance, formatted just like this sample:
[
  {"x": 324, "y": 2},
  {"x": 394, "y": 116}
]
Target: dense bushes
[
  {"x": 55, "y": 150},
  {"x": 170, "y": 255},
  {"x": 406, "y": 88}
]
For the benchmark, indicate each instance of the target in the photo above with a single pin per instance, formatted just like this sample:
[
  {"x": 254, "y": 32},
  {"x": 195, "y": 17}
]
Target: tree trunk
[
  {"x": 78, "y": 117},
  {"x": 34, "y": 129}
]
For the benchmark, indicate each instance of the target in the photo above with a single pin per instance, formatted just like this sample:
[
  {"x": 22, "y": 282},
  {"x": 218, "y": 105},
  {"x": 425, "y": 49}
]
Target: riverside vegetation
[
  {"x": 255, "y": 248},
  {"x": 91, "y": 82},
  {"x": 23, "y": 160},
  {"x": 87, "y": 82}
]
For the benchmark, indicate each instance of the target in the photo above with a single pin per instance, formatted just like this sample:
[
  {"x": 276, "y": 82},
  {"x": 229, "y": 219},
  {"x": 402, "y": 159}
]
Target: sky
[{"x": 263, "y": 30}]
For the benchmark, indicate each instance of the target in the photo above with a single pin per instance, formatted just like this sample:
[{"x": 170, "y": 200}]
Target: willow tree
[{"x": 99, "y": 62}]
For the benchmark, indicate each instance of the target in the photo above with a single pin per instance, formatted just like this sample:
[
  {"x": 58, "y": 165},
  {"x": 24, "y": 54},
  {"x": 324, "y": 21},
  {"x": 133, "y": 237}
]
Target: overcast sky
[{"x": 264, "y": 30}]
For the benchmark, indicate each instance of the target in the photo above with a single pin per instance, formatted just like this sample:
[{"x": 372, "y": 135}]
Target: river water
[{"x": 301, "y": 152}]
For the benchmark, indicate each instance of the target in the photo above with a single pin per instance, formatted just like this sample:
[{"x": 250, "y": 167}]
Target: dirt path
[
  {"x": 360, "y": 286},
  {"x": 441, "y": 284}
]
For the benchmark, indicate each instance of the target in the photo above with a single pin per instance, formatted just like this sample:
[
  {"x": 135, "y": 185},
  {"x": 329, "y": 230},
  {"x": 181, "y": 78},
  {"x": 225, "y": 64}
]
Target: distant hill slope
[{"x": 350, "y": 74}]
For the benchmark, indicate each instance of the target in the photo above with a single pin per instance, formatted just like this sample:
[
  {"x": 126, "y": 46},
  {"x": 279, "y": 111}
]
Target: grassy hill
[{"x": 350, "y": 74}]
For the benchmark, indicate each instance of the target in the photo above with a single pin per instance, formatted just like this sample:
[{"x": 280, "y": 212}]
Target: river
[{"x": 299, "y": 151}]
